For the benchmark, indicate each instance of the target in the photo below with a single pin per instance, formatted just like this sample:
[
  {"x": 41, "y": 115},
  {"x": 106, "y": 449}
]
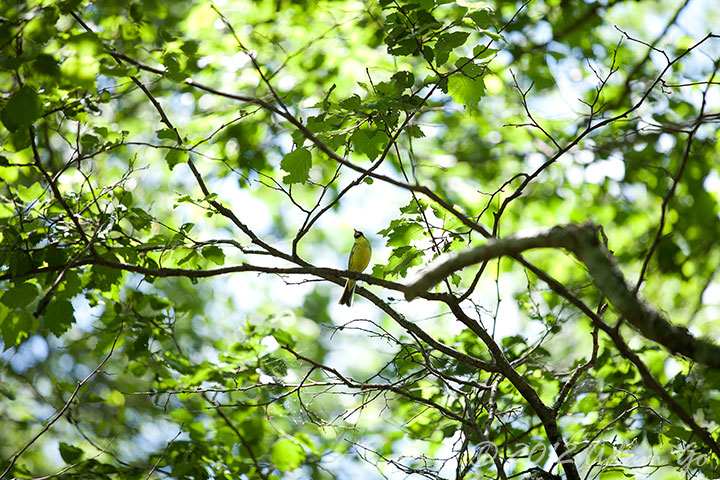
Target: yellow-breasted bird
[{"x": 358, "y": 261}]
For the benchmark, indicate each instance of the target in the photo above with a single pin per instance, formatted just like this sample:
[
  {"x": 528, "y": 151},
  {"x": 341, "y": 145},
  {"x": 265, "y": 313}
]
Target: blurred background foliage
[{"x": 604, "y": 111}]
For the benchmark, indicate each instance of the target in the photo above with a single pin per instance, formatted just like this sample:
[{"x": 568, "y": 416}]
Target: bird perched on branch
[{"x": 359, "y": 259}]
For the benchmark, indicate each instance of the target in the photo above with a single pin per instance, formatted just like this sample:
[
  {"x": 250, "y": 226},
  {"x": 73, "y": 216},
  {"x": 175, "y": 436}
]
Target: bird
[{"x": 358, "y": 261}]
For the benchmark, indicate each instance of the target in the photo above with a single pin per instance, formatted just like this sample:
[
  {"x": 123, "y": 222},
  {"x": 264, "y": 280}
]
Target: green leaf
[
  {"x": 18, "y": 141},
  {"x": 23, "y": 108},
  {"x": 176, "y": 156},
  {"x": 401, "y": 232},
  {"x": 469, "y": 67},
  {"x": 317, "y": 123},
  {"x": 334, "y": 142},
  {"x": 297, "y": 164},
  {"x": 481, "y": 51},
  {"x": 678, "y": 382},
  {"x": 369, "y": 142},
  {"x": 139, "y": 218},
  {"x": 104, "y": 278},
  {"x": 482, "y": 16},
  {"x": 287, "y": 455},
  {"x": 403, "y": 80},
  {"x": 175, "y": 64},
  {"x": 414, "y": 207},
  {"x": 6, "y": 210},
  {"x": 30, "y": 194},
  {"x": 428, "y": 54},
  {"x": 215, "y": 254},
  {"x": 102, "y": 131},
  {"x": 283, "y": 337},
  {"x": 46, "y": 65},
  {"x": 678, "y": 433},
  {"x": 441, "y": 56},
  {"x": 353, "y": 103},
  {"x": 58, "y": 316},
  {"x": 55, "y": 256},
  {"x": 493, "y": 35},
  {"x": 158, "y": 303},
  {"x": 197, "y": 431},
  {"x": 448, "y": 41},
  {"x": 70, "y": 453},
  {"x": 415, "y": 131},
  {"x": 402, "y": 259},
  {"x": 88, "y": 141},
  {"x": 20, "y": 264},
  {"x": 20, "y": 295},
  {"x": 465, "y": 90},
  {"x": 187, "y": 254},
  {"x": 15, "y": 326},
  {"x": 166, "y": 134}
]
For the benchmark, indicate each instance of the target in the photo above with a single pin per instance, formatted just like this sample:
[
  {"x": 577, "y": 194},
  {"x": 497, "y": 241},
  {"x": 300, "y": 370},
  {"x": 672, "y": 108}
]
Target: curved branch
[
  {"x": 494, "y": 248},
  {"x": 627, "y": 352},
  {"x": 582, "y": 240}
]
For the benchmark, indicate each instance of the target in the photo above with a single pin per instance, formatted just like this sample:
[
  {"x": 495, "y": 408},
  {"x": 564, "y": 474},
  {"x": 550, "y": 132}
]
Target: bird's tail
[{"x": 347, "y": 295}]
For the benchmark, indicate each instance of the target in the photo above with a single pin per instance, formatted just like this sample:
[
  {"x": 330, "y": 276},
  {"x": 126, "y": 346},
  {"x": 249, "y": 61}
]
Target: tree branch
[
  {"x": 582, "y": 240},
  {"x": 626, "y": 352}
]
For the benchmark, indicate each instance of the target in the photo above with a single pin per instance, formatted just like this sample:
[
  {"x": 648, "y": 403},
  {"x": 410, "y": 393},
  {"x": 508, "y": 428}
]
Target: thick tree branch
[
  {"x": 649, "y": 380},
  {"x": 494, "y": 248},
  {"x": 582, "y": 240}
]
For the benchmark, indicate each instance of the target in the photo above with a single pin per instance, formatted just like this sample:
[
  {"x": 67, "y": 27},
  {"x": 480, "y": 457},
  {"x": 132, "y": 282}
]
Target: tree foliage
[{"x": 539, "y": 180}]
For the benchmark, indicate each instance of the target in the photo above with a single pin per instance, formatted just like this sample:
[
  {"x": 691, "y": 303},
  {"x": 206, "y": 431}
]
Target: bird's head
[{"x": 357, "y": 233}]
